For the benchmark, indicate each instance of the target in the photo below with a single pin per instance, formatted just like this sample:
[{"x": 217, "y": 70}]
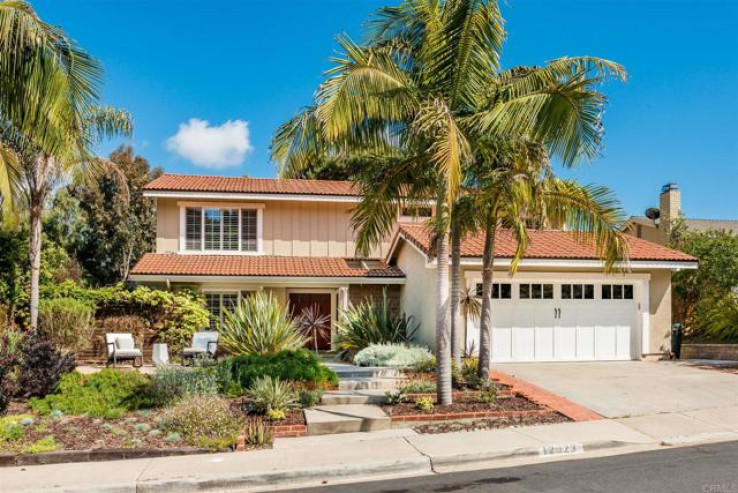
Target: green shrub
[
  {"x": 392, "y": 355},
  {"x": 367, "y": 323},
  {"x": 46, "y": 444},
  {"x": 419, "y": 387},
  {"x": 425, "y": 404},
  {"x": 276, "y": 414},
  {"x": 206, "y": 422},
  {"x": 271, "y": 394},
  {"x": 394, "y": 397},
  {"x": 260, "y": 325},
  {"x": 174, "y": 383},
  {"x": 427, "y": 366},
  {"x": 487, "y": 394},
  {"x": 301, "y": 366},
  {"x": 257, "y": 433},
  {"x": 67, "y": 322},
  {"x": 173, "y": 315},
  {"x": 310, "y": 398},
  {"x": 108, "y": 393},
  {"x": 12, "y": 428}
]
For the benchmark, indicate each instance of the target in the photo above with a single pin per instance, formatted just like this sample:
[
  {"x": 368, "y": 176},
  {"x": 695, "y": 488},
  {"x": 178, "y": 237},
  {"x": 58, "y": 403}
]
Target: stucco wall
[
  {"x": 660, "y": 309},
  {"x": 418, "y": 296},
  {"x": 291, "y": 228}
]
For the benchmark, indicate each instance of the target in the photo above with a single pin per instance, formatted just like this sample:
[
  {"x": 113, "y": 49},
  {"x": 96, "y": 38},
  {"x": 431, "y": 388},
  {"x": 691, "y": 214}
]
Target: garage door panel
[
  {"x": 502, "y": 344},
  {"x": 523, "y": 343},
  {"x": 565, "y": 339},
  {"x": 544, "y": 343},
  {"x": 585, "y": 343},
  {"x": 606, "y": 342},
  {"x": 623, "y": 339}
]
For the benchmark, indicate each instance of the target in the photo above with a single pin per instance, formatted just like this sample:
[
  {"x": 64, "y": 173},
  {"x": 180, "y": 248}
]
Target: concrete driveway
[{"x": 632, "y": 388}]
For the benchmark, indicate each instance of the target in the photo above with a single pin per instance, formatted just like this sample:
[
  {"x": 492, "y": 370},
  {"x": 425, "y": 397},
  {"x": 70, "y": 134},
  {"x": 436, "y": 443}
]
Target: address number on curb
[{"x": 562, "y": 449}]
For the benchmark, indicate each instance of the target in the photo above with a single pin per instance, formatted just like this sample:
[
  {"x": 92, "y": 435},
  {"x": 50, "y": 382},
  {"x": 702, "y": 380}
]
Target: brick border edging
[
  {"x": 93, "y": 455},
  {"x": 288, "y": 431},
  {"x": 543, "y": 397},
  {"x": 402, "y": 418}
]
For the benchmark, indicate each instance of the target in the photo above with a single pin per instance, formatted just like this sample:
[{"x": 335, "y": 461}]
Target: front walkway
[{"x": 632, "y": 388}]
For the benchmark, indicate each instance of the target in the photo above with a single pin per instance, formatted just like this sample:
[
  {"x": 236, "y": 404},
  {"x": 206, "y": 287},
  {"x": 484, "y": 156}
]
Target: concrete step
[
  {"x": 369, "y": 383},
  {"x": 347, "y": 418},
  {"x": 346, "y": 371},
  {"x": 368, "y": 396}
]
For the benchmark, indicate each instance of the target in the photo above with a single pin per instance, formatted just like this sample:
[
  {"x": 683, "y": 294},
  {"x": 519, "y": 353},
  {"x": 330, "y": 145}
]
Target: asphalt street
[{"x": 699, "y": 469}]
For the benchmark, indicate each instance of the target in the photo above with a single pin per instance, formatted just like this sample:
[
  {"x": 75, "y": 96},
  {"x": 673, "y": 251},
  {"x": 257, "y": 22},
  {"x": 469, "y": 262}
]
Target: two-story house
[{"x": 232, "y": 236}]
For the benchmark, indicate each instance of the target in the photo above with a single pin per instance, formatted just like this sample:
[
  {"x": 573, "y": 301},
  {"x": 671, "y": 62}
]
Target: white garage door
[{"x": 561, "y": 322}]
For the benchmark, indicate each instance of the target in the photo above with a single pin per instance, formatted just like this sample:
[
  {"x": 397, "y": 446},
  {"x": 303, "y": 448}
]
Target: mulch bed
[
  {"x": 140, "y": 430},
  {"x": 466, "y": 404},
  {"x": 488, "y": 424},
  {"x": 721, "y": 368}
]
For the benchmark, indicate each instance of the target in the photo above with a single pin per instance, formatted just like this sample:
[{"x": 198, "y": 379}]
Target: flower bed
[
  {"x": 294, "y": 425},
  {"x": 487, "y": 424},
  {"x": 468, "y": 407}
]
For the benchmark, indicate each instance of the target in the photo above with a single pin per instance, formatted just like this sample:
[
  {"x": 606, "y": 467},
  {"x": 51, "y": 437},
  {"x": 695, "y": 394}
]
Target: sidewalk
[{"x": 381, "y": 455}]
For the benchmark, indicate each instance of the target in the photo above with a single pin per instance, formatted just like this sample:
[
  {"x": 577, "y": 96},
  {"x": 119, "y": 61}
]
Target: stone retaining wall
[{"x": 710, "y": 351}]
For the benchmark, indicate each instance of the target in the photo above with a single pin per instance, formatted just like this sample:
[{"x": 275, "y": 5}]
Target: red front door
[{"x": 322, "y": 304}]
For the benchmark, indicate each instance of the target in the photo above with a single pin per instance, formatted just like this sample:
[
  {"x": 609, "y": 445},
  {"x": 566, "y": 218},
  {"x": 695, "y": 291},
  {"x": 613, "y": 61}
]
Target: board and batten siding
[{"x": 290, "y": 228}]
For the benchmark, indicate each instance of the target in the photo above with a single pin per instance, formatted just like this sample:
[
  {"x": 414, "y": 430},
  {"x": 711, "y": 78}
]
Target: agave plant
[
  {"x": 313, "y": 325},
  {"x": 368, "y": 323},
  {"x": 260, "y": 325},
  {"x": 271, "y": 394}
]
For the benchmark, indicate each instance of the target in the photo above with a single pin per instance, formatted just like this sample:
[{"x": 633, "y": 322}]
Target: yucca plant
[
  {"x": 368, "y": 323},
  {"x": 271, "y": 394},
  {"x": 260, "y": 325}
]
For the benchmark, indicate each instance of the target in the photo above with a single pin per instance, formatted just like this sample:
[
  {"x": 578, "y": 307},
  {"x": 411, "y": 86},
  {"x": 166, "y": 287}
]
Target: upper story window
[
  {"x": 411, "y": 213},
  {"x": 221, "y": 229}
]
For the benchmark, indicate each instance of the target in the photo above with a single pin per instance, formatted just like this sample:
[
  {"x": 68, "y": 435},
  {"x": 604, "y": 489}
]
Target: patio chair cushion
[
  {"x": 192, "y": 351},
  {"x": 202, "y": 341},
  {"x": 127, "y": 353},
  {"x": 123, "y": 344}
]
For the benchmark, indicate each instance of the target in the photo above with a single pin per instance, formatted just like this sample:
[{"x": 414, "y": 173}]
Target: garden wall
[{"x": 710, "y": 351}]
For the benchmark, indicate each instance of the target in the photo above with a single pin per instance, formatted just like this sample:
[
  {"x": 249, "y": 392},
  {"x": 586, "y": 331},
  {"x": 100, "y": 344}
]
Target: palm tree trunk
[
  {"x": 456, "y": 339},
  {"x": 485, "y": 325},
  {"x": 443, "y": 351},
  {"x": 34, "y": 253}
]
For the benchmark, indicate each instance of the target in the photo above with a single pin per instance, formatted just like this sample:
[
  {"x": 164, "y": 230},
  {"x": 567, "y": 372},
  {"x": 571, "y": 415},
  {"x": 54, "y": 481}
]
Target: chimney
[{"x": 670, "y": 205}]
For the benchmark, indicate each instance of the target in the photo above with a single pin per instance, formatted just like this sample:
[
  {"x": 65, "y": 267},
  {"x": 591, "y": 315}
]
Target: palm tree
[
  {"x": 517, "y": 188},
  {"x": 418, "y": 96},
  {"x": 313, "y": 325},
  {"x": 50, "y": 118},
  {"x": 471, "y": 309}
]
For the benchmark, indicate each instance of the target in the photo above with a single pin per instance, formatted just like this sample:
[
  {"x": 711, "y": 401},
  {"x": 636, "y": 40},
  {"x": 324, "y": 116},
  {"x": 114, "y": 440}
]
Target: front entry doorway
[{"x": 322, "y": 303}]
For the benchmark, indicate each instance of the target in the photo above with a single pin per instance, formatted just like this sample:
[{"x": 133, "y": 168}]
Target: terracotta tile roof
[
  {"x": 544, "y": 244},
  {"x": 227, "y": 184},
  {"x": 260, "y": 266}
]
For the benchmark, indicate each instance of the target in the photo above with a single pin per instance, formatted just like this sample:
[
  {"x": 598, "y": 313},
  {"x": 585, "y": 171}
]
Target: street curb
[
  {"x": 577, "y": 449},
  {"x": 417, "y": 465}
]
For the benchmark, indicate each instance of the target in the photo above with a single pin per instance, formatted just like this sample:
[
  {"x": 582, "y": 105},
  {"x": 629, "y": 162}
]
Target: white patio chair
[
  {"x": 204, "y": 343},
  {"x": 122, "y": 347}
]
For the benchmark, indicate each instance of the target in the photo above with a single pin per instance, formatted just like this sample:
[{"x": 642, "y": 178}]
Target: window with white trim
[
  {"x": 220, "y": 303},
  {"x": 221, "y": 230}
]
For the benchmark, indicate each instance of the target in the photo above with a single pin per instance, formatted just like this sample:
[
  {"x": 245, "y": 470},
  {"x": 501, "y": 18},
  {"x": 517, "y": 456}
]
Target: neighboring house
[
  {"x": 657, "y": 223},
  {"x": 233, "y": 236}
]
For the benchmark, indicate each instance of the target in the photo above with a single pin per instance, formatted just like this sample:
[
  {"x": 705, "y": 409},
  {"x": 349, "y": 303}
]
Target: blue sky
[{"x": 258, "y": 62}]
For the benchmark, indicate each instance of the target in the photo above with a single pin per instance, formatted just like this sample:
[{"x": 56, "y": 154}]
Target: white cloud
[{"x": 211, "y": 147}]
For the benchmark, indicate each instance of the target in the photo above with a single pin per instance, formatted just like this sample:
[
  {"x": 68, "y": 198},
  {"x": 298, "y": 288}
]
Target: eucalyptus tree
[
  {"x": 50, "y": 117},
  {"x": 418, "y": 95}
]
